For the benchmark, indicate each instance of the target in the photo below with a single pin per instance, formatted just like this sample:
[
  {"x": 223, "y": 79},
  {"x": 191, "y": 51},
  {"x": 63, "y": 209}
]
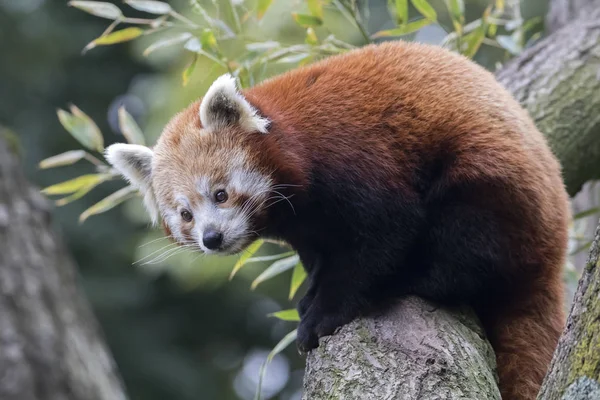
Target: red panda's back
[{"x": 382, "y": 112}]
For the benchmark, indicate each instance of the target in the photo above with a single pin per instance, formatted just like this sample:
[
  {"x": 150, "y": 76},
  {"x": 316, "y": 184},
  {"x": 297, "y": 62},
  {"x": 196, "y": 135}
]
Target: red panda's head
[{"x": 206, "y": 176}]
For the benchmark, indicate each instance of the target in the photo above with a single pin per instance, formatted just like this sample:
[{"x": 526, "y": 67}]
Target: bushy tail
[{"x": 524, "y": 335}]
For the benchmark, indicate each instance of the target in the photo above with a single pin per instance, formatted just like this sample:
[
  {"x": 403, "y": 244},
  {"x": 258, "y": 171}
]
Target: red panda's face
[
  {"x": 204, "y": 177},
  {"x": 208, "y": 188}
]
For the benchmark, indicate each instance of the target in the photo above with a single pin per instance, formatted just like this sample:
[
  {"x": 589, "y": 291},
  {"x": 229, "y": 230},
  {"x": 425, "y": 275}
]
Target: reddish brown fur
[{"x": 439, "y": 104}]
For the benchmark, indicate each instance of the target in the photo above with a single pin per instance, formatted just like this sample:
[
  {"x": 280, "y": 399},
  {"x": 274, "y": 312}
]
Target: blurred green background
[{"x": 177, "y": 327}]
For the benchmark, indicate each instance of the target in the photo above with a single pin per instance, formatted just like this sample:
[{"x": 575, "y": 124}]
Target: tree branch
[{"x": 413, "y": 351}]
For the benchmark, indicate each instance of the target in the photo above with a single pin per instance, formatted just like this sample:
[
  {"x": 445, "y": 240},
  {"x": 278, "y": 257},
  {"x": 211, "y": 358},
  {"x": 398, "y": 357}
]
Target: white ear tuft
[
  {"x": 224, "y": 105},
  {"x": 134, "y": 162}
]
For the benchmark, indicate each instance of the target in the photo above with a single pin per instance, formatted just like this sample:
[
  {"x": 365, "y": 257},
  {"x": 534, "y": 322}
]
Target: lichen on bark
[{"x": 414, "y": 350}]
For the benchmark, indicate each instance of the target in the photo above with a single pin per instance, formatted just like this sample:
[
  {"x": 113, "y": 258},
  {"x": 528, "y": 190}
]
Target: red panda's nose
[{"x": 212, "y": 239}]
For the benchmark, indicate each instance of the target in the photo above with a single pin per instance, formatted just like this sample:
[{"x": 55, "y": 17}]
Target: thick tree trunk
[
  {"x": 50, "y": 344},
  {"x": 575, "y": 369},
  {"x": 401, "y": 354},
  {"x": 558, "y": 82}
]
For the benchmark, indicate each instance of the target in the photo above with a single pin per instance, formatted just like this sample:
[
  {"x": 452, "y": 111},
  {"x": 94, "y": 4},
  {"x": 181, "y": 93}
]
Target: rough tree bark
[
  {"x": 575, "y": 370},
  {"x": 558, "y": 81},
  {"x": 50, "y": 344}
]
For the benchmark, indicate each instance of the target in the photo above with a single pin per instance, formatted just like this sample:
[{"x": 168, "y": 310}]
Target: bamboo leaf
[
  {"x": 316, "y": 8},
  {"x": 167, "y": 42},
  {"x": 286, "y": 315},
  {"x": 98, "y": 8},
  {"x": 130, "y": 128},
  {"x": 60, "y": 160},
  {"x": 109, "y": 202},
  {"x": 425, "y": 9},
  {"x": 306, "y": 20},
  {"x": 189, "y": 70},
  {"x": 122, "y": 35},
  {"x": 82, "y": 128},
  {"x": 275, "y": 269},
  {"x": 249, "y": 252},
  {"x": 403, "y": 30},
  {"x": 279, "y": 347},
  {"x": 298, "y": 276},
  {"x": 152, "y": 7}
]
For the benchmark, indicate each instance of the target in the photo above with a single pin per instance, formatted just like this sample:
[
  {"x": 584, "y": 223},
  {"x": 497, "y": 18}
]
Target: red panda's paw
[
  {"x": 307, "y": 338},
  {"x": 315, "y": 325}
]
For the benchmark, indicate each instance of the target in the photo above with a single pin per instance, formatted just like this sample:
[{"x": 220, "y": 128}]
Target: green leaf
[
  {"x": 275, "y": 269},
  {"x": 98, "y": 8},
  {"x": 189, "y": 70},
  {"x": 82, "y": 128},
  {"x": 60, "y": 160},
  {"x": 249, "y": 252},
  {"x": 457, "y": 13},
  {"x": 270, "y": 258},
  {"x": 403, "y": 30},
  {"x": 208, "y": 39},
  {"x": 293, "y": 58},
  {"x": 78, "y": 187},
  {"x": 425, "y": 9},
  {"x": 262, "y": 7},
  {"x": 195, "y": 46},
  {"x": 152, "y": 7},
  {"x": 401, "y": 11},
  {"x": 260, "y": 47},
  {"x": 167, "y": 42},
  {"x": 311, "y": 37},
  {"x": 75, "y": 184},
  {"x": 279, "y": 347},
  {"x": 298, "y": 276},
  {"x": 456, "y": 8},
  {"x": 130, "y": 128},
  {"x": 286, "y": 315},
  {"x": 316, "y": 8},
  {"x": 474, "y": 39},
  {"x": 306, "y": 20},
  {"x": 122, "y": 35},
  {"x": 586, "y": 213},
  {"x": 109, "y": 202}
]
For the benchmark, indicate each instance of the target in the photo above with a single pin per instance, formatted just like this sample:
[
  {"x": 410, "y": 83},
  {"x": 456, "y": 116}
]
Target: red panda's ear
[
  {"x": 223, "y": 105},
  {"x": 134, "y": 163}
]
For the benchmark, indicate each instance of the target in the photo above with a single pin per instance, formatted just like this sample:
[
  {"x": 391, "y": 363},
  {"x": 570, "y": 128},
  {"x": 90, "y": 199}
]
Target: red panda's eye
[
  {"x": 221, "y": 196},
  {"x": 186, "y": 215}
]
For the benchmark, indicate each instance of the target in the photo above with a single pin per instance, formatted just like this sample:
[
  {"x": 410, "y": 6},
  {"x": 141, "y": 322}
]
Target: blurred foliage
[{"x": 171, "y": 341}]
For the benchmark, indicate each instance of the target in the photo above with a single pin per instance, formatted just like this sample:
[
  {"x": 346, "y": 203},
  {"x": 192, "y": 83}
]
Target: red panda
[{"x": 393, "y": 169}]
